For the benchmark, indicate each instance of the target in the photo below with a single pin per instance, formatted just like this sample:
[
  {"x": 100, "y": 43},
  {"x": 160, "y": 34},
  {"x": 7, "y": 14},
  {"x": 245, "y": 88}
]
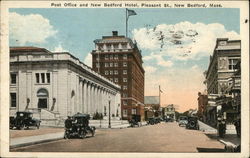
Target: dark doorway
[{"x": 42, "y": 103}]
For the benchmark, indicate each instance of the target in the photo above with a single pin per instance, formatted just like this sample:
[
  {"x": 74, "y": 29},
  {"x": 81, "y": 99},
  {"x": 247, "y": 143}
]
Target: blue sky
[{"x": 74, "y": 30}]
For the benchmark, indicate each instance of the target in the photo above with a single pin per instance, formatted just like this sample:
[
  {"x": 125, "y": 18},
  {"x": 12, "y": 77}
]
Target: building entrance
[{"x": 43, "y": 96}]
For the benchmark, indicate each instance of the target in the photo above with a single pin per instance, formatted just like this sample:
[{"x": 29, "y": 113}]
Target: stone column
[
  {"x": 88, "y": 97},
  {"x": 84, "y": 97},
  {"x": 80, "y": 97}
]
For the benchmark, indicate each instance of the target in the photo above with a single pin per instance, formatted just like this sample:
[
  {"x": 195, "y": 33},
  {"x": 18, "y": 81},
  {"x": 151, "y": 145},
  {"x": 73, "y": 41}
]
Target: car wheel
[
  {"x": 66, "y": 135},
  {"x": 82, "y": 134},
  {"x": 93, "y": 133}
]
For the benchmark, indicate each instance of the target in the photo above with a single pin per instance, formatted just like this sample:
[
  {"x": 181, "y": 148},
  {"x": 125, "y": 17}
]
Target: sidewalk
[
  {"x": 30, "y": 140},
  {"x": 230, "y": 140}
]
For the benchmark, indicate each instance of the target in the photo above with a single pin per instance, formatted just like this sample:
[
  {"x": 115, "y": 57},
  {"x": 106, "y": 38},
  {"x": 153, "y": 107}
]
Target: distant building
[
  {"x": 118, "y": 59},
  {"x": 222, "y": 67},
  {"x": 169, "y": 111},
  {"x": 152, "y": 106},
  {"x": 202, "y": 106},
  {"x": 55, "y": 85}
]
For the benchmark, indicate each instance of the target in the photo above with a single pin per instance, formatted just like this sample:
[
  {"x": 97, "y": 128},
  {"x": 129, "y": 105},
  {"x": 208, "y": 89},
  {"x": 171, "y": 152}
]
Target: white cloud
[
  {"x": 181, "y": 41},
  {"x": 88, "y": 60},
  {"x": 159, "y": 60},
  {"x": 33, "y": 28},
  {"x": 149, "y": 69},
  {"x": 59, "y": 48}
]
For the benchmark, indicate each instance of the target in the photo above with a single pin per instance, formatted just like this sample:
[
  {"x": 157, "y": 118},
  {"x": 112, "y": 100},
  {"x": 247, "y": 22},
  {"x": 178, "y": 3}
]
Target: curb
[
  {"x": 23, "y": 143},
  {"x": 33, "y": 143},
  {"x": 229, "y": 147}
]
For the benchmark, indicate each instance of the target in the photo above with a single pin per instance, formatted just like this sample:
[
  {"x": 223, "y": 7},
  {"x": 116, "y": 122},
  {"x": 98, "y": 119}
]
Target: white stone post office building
[{"x": 58, "y": 85}]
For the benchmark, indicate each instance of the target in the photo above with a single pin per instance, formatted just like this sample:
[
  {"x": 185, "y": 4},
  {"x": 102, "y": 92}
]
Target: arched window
[{"x": 43, "y": 96}]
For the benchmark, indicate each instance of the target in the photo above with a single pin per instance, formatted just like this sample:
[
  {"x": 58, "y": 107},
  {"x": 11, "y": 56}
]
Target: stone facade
[
  {"x": 58, "y": 83},
  {"x": 119, "y": 60}
]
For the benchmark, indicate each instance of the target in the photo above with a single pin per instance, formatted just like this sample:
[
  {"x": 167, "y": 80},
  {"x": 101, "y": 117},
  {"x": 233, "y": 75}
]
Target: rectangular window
[
  {"x": 111, "y": 79},
  {"x": 125, "y": 112},
  {"x": 125, "y": 64},
  {"x": 37, "y": 78},
  {"x": 111, "y": 72},
  {"x": 111, "y": 57},
  {"x": 133, "y": 111},
  {"x": 43, "y": 77},
  {"x": 115, "y": 72},
  {"x": 116, "y": 80},
  {"x": 48, "y": 77},
  {"x": 106, "y": 72},
  {"x": 116, "y": 46},
  {"x": 106, "y": 57},
  {"x": 116, "y": 64},
  {"x": 116, "y": 56},
  {"x": 125, "y": 87},
  {"x": 13, "y": 78},
  {"x": 125, "y": 95},
  {"x": 125, "y": 80},
  {"x": 13, "y": 100},
  {"x": 125, "y": 102},
  {"x": 108, "y": 46},
  {"x": 124, "y": 72},
  {"x": 97, "y": 58},
  {"x": 97, "y": 65},
  {"x": 111, "y": 64},
  {"x": 124, "y": 46},
  {"x": 106, "y": 64},
  {"x": 125, "y": 56},
  {"x": 232, "y": 64}
]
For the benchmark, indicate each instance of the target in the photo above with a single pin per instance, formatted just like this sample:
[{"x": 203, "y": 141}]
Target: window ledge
[{"x": 42, "y": 83}]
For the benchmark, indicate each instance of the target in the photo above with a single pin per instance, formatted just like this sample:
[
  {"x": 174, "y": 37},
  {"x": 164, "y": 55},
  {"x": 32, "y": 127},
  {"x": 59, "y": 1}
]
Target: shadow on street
[{"x": 214, "y": 150}]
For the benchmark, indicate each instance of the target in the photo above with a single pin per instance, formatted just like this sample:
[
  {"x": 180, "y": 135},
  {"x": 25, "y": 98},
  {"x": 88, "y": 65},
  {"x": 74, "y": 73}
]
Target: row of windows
[
  {"x": 112, "y": 64},
  {"x": 112, "y": 46},
  {"x": 111, "y": 57},
  {"x": 125, "y": 112},
  {"x": 42, "y": 77},
  {"x": 115, "y": 72},
  {"x": 117, "y": 80}
]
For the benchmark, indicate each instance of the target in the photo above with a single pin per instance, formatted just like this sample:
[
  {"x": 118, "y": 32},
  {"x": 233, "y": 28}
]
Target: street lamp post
[{"x": 109, "y": 114}]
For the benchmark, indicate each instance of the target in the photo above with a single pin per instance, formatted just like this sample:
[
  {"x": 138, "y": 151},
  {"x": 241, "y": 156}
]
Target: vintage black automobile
[
  {"x": 192, "y": 123},
  {"x": 135, "y": 121},
  {"x": 157, "y": 120},
  {"x": 78, "y": 126},
  {"x": 151, "y": 121},
  {"x": 24, "y": 119}
]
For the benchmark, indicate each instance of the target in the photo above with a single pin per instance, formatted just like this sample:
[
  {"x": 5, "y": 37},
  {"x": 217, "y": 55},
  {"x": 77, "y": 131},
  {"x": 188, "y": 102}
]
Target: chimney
[{"x": 115, "y": 33}]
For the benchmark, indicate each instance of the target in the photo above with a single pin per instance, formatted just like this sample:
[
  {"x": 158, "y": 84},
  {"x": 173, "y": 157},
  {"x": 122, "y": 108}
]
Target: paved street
[{"x": 164, "y": 137}]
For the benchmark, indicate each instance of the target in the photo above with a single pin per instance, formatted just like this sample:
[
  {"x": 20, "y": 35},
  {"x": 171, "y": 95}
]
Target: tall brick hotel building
[{"x": 118, "y": 58}]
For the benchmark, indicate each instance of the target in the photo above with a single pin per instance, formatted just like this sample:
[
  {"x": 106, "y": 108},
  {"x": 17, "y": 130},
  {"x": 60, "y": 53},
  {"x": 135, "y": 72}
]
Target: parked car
[
  {"x": 151, "y": 121},
  {"x": 183, "y": 120},
  {"x": 24, "y": 119},
  {"x": 78, "y": 126},
  {"x": 135, "y": 121},
  {"x": 157, "y": 120},
  {"x": 192, "y": 123}
]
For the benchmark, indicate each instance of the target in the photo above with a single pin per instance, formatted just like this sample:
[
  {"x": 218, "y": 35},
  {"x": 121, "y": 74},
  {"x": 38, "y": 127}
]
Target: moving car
[
  {"x": 183, "y": 120},
  {"x": 192, "y": 123},
  {"x": 24, "y": 119},
  {"x": 78, "y": 126}
]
